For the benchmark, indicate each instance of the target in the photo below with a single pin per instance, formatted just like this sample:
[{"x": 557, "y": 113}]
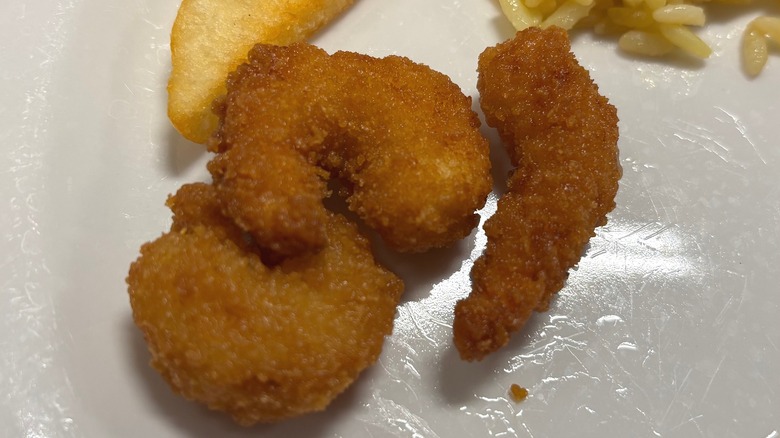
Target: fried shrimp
[
  {"x": 263, "y": 343},
  {"x": 210, "y": 38},
  {"x": 400, "y": 137},
  {"x": 561, "y": 135}
]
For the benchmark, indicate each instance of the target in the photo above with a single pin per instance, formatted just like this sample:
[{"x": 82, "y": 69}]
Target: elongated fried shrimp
[
  {"x": 400, "y": 137},
  {"x": 561, "y": 135},
  {"x": 261, "y": 343}
]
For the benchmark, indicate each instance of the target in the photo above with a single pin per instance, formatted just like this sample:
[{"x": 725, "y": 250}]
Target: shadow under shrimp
[
  {"x": 461, "y": 381},
  {"x": 192, "y": 418},
  {"x": 182, "y": 154},
  {"x": 197, "y": 421},
  {"x": 419, "y": 271}
]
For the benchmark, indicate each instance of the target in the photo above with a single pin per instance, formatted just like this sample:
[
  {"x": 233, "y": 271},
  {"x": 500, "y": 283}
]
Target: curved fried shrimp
[
  {"x": 401, "y": 138},
  {"x": 561, "y": 135},
  {"x": 261, "y": 343}
]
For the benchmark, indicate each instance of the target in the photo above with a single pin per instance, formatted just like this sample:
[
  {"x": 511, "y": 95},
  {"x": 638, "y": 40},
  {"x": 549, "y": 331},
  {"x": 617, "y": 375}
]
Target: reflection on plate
[{"x": 666, "y": 328}]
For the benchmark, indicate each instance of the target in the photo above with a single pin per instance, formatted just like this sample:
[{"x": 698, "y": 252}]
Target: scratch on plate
[
  {"x": 712, "y": 379},
  {"x": 743, "y": 131},
  {"x": 422, "y": 332},
  {"x": 676, "y": 393},
  {"x": 768, "y": 339},
  {"x": 391, "y": 413},
  {"x": 656, "y": 233},
  {"x": 528, "y": 430},
  {"x": 719, "y": 319},
  {"x": 635, "y": 230},
  {"x": 691, "y": 420}
]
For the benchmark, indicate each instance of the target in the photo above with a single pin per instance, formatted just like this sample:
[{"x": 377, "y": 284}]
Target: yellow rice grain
[
  {"x": 645, "y": 43},
  {"x": 680, "y": 14},
  {"x": 567, "y": 15},
  {"x": 755, "y": 47},
  {"x": 683, "y": 38},
  {"x": 754, "y": 52}
]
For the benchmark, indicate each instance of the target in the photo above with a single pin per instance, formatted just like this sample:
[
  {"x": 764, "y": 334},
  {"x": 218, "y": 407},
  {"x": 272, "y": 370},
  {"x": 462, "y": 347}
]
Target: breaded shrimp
[
  {"x": 262, "y": 343},
  {"x": 211, "y": 37},
  {"x": 561, "y": 135},
  {"x": 401, "y": 138}
]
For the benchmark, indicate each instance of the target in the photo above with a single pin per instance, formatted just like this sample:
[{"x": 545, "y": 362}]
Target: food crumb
[{"x": 518, "y": 393}]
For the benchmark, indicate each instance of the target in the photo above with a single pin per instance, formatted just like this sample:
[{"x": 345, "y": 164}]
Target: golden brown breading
[
  {"x": 261, "y": 343},
  {"x": 561, "y": 135},
  {"x": 210, "y": 38},
  {"x": 399, "y": 136}
]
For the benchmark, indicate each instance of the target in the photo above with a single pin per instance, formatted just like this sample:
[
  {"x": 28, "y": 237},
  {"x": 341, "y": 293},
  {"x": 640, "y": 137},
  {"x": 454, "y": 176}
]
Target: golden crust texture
[
  {"x": 210, "y": 38},
  {"x": 261, "y": 342},
  {"x": 401, "y": 139},
  {"x": 561, "y": 135}
]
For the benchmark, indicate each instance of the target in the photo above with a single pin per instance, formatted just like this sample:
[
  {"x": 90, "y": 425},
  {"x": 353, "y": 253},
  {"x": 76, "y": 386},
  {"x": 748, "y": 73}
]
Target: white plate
[{"x": 668, "y": 327}]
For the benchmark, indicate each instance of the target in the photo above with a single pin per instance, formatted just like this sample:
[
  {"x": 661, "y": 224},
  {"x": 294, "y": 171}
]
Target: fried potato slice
[{"x": 210, "y": 38}]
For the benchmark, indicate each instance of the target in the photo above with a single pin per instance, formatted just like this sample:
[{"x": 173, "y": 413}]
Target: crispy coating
[
  {"x": 210, "y": 38},
  {"x": 561, "y": 135},
  {"x": 261, "y": 343},
  {"x": 401, "y": 138}
]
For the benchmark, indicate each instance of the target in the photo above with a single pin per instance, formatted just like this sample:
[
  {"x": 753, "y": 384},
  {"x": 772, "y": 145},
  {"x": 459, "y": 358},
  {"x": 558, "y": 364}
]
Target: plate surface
[{"x": 668, "y": 327}]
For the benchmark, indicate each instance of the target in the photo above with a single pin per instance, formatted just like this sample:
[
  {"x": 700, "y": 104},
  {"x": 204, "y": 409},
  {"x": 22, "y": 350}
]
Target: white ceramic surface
[{"x": 668, "y": 328}]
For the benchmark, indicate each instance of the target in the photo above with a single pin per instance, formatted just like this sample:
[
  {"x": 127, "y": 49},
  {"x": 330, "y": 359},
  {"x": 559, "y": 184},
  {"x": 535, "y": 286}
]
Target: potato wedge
[{"x": 210, "y": 38}]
